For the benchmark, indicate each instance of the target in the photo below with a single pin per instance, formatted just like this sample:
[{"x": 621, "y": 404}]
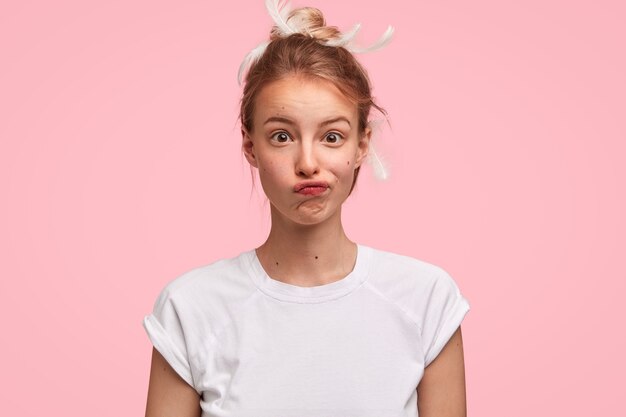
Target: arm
[
  {"x": 441, "y": 392},
  {"x": 168, "y": 394}
]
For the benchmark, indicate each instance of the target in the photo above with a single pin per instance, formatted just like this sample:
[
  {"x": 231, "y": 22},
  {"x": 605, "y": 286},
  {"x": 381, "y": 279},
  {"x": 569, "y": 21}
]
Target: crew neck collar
[{"x": 316, "y": 294}]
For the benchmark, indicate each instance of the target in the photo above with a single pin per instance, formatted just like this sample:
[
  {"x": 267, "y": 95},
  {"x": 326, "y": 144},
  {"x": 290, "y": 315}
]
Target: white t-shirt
[{"x": 253, "y": 346}]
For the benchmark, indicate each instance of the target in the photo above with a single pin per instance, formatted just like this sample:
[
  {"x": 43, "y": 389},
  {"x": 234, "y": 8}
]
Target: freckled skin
[{"x": 299, "y": 149}]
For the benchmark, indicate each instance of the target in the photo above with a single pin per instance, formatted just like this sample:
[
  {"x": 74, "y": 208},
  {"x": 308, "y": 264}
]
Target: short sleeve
[
  {"x": 445, "y": 310},
  {"x": 165, "y": 330}
]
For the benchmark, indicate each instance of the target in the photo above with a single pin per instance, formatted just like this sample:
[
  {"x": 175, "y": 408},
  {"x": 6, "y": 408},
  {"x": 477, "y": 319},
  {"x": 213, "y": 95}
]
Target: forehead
[{"x": 303, "y": 99}]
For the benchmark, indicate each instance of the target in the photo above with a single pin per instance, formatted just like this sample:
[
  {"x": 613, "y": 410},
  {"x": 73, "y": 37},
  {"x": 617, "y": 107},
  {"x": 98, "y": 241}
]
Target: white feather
[
  {"x": 380, "y": 171},
  {"x": 251, "y": 58},
  {"x": 378, "y": 166},
  {"x": 345, "y": 38},
  {"x": 380, "y": 43},
  {"x": 286, "y": 9},
  {"x": 279, "y": 11}
]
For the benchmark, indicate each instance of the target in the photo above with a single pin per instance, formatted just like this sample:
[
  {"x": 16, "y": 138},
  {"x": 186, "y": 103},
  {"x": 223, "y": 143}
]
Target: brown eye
[
  {"x": 333, "y": 137},
  {"x": 280, "y": 137}
]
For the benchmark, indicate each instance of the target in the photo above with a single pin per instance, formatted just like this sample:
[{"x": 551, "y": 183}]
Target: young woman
[{"x": 310, "y": 323}]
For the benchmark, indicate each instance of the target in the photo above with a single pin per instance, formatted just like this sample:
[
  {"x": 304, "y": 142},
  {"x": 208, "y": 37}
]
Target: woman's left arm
[{"x": 441, "y": 392}]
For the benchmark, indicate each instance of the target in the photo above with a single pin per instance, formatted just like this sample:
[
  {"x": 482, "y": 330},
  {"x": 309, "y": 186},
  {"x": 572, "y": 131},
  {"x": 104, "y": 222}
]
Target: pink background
[{"x": 120, "y": 169}]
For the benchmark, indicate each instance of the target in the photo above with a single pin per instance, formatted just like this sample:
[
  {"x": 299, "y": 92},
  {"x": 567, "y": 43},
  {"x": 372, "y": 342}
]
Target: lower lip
[{"x": 312, "y": 190}]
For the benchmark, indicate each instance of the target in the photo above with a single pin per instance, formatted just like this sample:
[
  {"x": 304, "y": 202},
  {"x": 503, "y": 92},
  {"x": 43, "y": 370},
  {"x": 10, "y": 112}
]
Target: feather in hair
[
  {"x": 250, "y": 59},
  {"x": 345, "y": 38},
  {"x": 380, "y": 43},
  {"x": 378, "y": 166},
  {"x": 279, "y": 12},
  {"x": 380, "y": 171}
]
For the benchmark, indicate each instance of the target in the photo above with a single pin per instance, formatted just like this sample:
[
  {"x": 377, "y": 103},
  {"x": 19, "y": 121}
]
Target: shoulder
[
  {"x": 414, "y": 285},
  {"x": 223, "y": 280},
  {"x": 394, "y": 268}
]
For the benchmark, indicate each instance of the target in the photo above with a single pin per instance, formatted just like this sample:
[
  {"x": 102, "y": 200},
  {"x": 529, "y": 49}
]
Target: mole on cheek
[{"x": 348, "y": 162}]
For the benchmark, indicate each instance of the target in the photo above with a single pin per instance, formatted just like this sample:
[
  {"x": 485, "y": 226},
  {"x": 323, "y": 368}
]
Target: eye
[
  {"x": 333, "y": 137},
  {"x": 280, "y": 137}
]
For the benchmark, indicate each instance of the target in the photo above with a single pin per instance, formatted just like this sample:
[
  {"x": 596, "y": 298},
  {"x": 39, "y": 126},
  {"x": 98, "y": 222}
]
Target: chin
[
  {"x": 315, "y": 218},
  {"x": 306, "y": 219}
]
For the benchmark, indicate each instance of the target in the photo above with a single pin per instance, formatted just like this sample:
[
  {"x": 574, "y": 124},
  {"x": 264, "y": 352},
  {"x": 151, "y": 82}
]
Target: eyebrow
[{"x": 291, "y": 122}]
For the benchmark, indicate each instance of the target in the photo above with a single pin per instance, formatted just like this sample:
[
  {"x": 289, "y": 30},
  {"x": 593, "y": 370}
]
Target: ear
[
  {"x": 247, "y": 147},
  {"x": 364, "y": 146}
]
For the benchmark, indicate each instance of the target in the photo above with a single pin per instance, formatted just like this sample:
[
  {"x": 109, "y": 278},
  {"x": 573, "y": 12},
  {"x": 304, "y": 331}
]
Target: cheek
[
  {"x": 344, "y": 169},
  {"x": 273, "y": 171}
]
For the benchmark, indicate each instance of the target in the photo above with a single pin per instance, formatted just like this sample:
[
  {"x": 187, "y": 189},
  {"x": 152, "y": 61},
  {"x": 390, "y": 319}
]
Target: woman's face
[{"x": 306, "y": 146}]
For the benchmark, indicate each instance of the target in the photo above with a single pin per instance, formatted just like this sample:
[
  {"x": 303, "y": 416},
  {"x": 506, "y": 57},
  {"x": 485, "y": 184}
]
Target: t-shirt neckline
[{"x": 316, "y": 294}]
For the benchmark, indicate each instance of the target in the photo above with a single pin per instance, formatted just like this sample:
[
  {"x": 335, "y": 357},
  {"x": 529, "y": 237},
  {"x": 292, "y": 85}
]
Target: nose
[{"x": 306, "y": 161}]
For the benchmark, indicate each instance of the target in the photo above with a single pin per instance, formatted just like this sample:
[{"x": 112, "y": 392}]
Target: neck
[{"x": 307, "y": 255}]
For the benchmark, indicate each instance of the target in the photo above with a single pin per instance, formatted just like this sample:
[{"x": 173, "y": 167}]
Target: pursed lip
[{"x": 301, "y": 185}]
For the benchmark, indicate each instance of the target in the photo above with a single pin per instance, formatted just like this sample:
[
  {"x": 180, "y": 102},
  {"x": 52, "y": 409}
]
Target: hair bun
[{"x": 308, "y": 21}]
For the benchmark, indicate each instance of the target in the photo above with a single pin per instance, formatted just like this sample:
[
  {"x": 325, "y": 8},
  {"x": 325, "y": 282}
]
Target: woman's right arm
[{"x": 168, "y": 394}]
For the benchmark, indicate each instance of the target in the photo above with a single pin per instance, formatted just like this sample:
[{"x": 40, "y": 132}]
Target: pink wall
[{"x": 120, "y": 169}]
